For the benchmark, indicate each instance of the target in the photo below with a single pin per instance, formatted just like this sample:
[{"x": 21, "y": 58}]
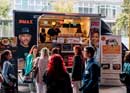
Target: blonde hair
[{"x": 44, "y": 51}]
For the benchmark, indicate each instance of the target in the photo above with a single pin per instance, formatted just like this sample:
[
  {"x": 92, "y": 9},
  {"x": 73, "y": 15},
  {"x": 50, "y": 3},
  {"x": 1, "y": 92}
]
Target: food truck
[
  {"x": 60, "y": 30},
  {"x": 63, "y": 30}
]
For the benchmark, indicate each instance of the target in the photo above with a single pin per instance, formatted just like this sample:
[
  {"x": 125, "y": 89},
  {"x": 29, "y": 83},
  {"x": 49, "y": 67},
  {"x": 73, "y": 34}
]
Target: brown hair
[
  {"x": 79, "y": 49},
  {"x": 127, "y": 57},
  {"x": 55, "y": 50},
  {"x": 31, "y": 50}
]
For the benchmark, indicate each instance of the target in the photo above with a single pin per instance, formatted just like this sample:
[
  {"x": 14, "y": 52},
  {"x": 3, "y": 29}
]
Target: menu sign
[{"x": 111, "y": 59}]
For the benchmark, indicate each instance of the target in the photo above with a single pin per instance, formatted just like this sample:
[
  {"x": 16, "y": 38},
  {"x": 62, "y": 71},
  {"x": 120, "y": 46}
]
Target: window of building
[
  {"x": 113, "y": 11},
  {"x": 85, "y": 10},
  {"x": 25, "y": 4},
  {"x": 31, "y": 7},
  {"x": 18, "y": 1},
  {"x": 39, "y": 2},
  {"x": 39, "y": 8},
  {"x": 6, "y": 29},
  {"x": 18, "y": 6},
  {"x": 80, "y": 10},
  {"x": 31, "y": 2},
  {"x": 102, "y": 10}
]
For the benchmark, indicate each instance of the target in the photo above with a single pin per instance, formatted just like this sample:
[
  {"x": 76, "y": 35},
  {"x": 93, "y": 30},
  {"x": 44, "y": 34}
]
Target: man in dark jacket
[{"x": 91, "y": 74}]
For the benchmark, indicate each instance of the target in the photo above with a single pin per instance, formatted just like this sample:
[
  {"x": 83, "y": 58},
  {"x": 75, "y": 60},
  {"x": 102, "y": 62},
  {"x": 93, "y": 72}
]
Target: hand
[{"x": 10, "y": 83}]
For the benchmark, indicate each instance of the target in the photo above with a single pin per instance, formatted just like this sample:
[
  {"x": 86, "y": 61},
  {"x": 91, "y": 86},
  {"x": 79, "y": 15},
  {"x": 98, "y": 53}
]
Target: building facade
[
  {"x": 110, "y": 9},
  {"x": 107, "y": 8}
]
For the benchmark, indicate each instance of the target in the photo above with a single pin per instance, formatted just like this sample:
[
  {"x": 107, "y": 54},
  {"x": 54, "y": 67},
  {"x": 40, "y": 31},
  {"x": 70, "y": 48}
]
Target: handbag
[
  {"x": 27, "y": 79},
  {"x": 35, "y": 72},
  {"x": 125, "y": 78},
  {"x": 35, "y": 69}
]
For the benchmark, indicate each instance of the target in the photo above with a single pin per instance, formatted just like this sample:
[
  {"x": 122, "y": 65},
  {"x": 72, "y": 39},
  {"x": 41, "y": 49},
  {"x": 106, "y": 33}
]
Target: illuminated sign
[{"x": 23, "y": 21}]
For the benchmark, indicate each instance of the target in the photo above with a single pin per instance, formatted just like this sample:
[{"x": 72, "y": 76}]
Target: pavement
[
  {"x": 23, "y": 88},
  {"x": 110, "y": 89},
  {"x": 103, "y": 89}
]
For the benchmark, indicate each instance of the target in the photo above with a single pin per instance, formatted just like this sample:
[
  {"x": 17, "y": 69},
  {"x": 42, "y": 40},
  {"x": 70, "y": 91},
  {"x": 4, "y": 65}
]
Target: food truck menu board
[{"x": 111, "y": 59}]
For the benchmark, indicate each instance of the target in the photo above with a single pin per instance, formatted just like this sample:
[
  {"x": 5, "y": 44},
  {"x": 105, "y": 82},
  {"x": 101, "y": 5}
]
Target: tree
[
  {"x": 123, "y": 20},
  {"x": 63, "y": 6},
  {"x": 4, "y": 8}
]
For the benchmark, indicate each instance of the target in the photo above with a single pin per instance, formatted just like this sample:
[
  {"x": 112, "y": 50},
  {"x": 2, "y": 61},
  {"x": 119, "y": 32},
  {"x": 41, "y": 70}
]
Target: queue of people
[{"x": 52, "y": 75}]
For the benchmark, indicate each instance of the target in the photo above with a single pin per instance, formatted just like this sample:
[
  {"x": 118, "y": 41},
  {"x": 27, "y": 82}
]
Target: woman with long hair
[
  {"x": 78, "y": 68},
  {"x": 56, "y": 77},
  {"x": 33, "y": 53},
  {"x": 41, "y": 62},
  {"x": 126, "y": 68},
  {"x": 8, "y": 72}
]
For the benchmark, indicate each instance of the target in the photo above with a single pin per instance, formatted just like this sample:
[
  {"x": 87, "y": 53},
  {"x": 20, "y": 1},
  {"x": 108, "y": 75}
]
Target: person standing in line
[
  {"x": 55, "y": 50},
  {"x": 8, "y": 72},
  {"x": 29, "y": 65},
  {"x": 56, "y": 77},
  {"x": 91, "y": 74},
  {"x": 42, "y": 66},
  {"x": 126, "y": 68},
  {"x": 78, "y": 66}
]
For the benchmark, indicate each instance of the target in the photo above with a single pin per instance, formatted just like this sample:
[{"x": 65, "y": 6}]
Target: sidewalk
[
  {"x": 103, "y": 89},
  {"x": 109, "y": 89}
]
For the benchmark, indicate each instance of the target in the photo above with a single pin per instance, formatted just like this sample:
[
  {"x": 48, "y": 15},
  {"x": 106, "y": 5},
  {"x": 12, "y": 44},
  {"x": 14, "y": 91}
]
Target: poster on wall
[
  {"x": 111, "y": 58},
  {"x": 25, "y": 28},
  {"x": 95, "y": 34}
]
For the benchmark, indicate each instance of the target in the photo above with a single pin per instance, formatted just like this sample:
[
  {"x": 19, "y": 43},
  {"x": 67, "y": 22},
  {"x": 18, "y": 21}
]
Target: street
[{"x": 103, "y": 89}]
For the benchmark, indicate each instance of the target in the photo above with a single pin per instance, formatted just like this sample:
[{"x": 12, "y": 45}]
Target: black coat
[
  {"x": 78, "y": 68},
  {"x": 59, "y": 84}
]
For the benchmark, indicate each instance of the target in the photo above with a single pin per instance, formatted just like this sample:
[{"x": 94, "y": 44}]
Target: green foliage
[
  {"x": 122, "y": 21},
  {"x": 4, "y": 8},
  {"x": 63, "y": 6}
]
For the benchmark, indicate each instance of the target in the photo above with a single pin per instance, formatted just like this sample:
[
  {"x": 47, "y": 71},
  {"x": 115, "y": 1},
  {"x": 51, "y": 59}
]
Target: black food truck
[{"x": 62, "y": 30}]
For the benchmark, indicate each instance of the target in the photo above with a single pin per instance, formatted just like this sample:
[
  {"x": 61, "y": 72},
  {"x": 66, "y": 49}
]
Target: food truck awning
[{"x": 105, "y": 29}]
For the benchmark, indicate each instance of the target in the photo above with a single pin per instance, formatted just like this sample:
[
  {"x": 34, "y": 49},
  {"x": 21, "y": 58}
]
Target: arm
[
  {"x": 75, "y": 66},
  {"x": 94, "y": 76},
  {"x": 28, "y": 66},
  {"x": 5, "y": 72}
]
